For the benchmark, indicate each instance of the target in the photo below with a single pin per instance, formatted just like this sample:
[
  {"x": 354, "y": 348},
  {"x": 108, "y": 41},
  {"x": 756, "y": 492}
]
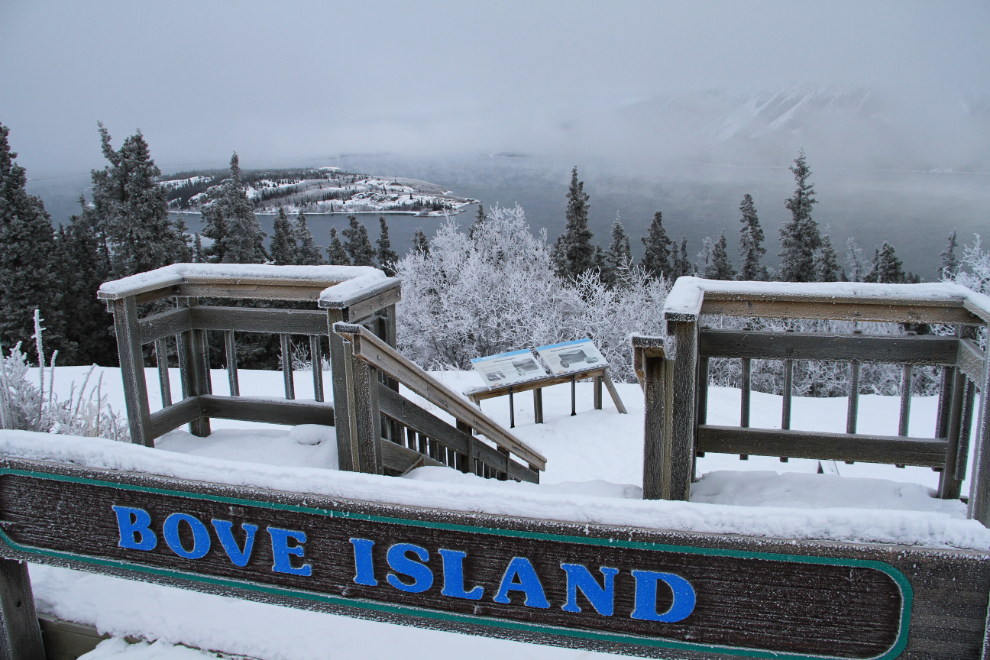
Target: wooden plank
[
  {"x": 303, "y": 292},
  {"x": 826, "y": 308},
  {"x": 363, "y": 308},
  {"x": 612, "y": 392},
  {"x": 403, "y": 460},
  {"x": 261, "y": 320},
  {"x": 271, "y": 411},
  {"x": 482, "y": 393},
  {"x": 979, "y": 491},
  {"x": 230, "y": 347},
  {"x": 20, "y": 635},
  {"x": 770, "y": 597},
  {"x": 682, "y": 426},
  {"x": 746, "y": 392},
  {"x": 128, "y": 330},
  {"x": 165, "y": 324},
  {"x": 899, "y": 349},
  {"x": 970, "y": 359},
  {"x": 922, "y": 452},
  {"x": 374, "y": 351},
  {"x": 164, "y": 383},
  {"x": 171, "y": 418},
  {"x": 66, "y": 640},
  {"x": 316, "y": 359},
  {"x": 290, "y": 388}
]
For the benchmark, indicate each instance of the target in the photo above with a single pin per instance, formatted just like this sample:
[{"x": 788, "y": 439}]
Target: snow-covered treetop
[
  {"x": 341, "y": 283},
  {"x": 686, "y": 297}
]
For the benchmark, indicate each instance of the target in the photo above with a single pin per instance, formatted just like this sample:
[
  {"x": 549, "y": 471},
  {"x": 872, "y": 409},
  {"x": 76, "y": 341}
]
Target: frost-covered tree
[
  {"x": 618, "y": 258},
  {"x": 681, "y": 262},
  {"x": 421, "y": 244},
  {"x": 479, "y": 220},
  {"x": 284, "y": 250},
  {"x": 751, "y": 242},
  {"x": 197, "y": 254},
  {"x": 713, "y": 260},
  {"x": 336, "y": 254},
  {"x": 858, "y": 267},
  {"x": 573, "y": 253},
  {"x": 231, "y": 222},
  {"x": 387, "y": 257},
  {"x": 357, "y": 244},
  {"x": 950, "y": 264},
  {"x": 799, "y": 237},
  {"x": 29, "y": 277},
  {"x": 309, "y": 251},
  {"x": 827, "y": 262},
  {"x": 133, "y": 209},
  {"x": 974, "y": 267},
  {"x": 887, "y": 267},
  {"x": 657, "y": 257}
]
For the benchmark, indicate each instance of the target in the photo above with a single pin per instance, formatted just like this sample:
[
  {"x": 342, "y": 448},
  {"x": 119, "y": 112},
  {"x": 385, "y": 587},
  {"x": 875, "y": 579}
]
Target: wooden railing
[
  {"x": 411, "y": 428},
  {"x": 674, "y": 375}
]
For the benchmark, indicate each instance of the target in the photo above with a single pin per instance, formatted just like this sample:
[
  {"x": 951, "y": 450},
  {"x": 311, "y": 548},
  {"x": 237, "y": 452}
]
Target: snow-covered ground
[{"x": 594, "y": 474}]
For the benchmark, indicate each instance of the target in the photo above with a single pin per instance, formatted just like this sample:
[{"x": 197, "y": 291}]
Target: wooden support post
[
  {"x": 979, "y": 491},
  {"x": 125, "y": 321},
  {"x": 573, "y": 396},
  {"x": 161, "y": 358},
  {"x": 316, "y": 359},
  {"x": 682, "y": 426},
  {"x": 340, "y": 354},
  {"x": 20, "y": 634},
  {"x": 612, "y": 392},
  {"x": 785, "y": 411},
  {"x": 194, "y": 368},
  {"x": 907, "y": 381},
  {"x": 290, "y": 389},
  {"x": 702, "y": 412},
  {"x": 852, "y": 409},
  {"x": 512, "y": 411},
  {"x": 949, "y": 486},
  {"x": 366, "y": 418},
  {"x": 744, "y": 394},
  {"x": 656, "y": 425},
  {"x": 538, "y": 404},
  {"x": 231, "y": 348},
  {"x": 598, "y": 392},
  {"x": 948, "y": 379}
]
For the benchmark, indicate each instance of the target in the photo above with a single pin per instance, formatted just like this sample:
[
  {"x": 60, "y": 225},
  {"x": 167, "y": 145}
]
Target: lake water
[{"x": 914, "y": 211}]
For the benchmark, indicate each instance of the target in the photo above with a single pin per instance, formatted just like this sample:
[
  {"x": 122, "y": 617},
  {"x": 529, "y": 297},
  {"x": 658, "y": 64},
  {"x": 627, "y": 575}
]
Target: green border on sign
[{"x": 907, "y": 593}]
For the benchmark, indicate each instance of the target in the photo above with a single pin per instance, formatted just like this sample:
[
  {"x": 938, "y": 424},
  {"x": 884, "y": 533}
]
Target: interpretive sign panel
[
  {"x": 574, "y": 585},
  {"x": 572, "y": 356},
  {"x": 508, "y": 368}
]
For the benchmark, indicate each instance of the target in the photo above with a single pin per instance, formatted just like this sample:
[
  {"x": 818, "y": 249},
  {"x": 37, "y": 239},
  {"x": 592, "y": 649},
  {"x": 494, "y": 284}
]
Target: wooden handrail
[{"x": 373, "y": 351}]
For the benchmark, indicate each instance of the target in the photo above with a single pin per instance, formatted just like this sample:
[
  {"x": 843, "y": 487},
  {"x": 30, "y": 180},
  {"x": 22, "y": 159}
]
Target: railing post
[
  {"x": 682, "y": 427},
  {"x": 290, "y": 388},
  {"x": 366, "y": 417},
  {"x": 125, "y": 321},
  {"x": 161, "y": 359},
  {"x": 230, "y": 347},
  {"x": 339, "y": 366},
  {"x": 656, "y": 424},
  {"x": 195, "y": 368},
  {"x": 316, "y": 359},
  {"x": 979, "y": 491},
  {"x": 20, "y": 634},
  {"x": 954, "y": 389}
]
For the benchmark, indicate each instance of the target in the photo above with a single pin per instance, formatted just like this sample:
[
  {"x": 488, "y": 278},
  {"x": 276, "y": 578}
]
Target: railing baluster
[
  {"x": 231, "y": 347},
  {"x": 161, "y": 359},
  {"x": 953, "y": 389},
  {"x": 852, "y": 411},
  {"x": 316, "y": 359},
  {"x": 744, "y": 394},
  {"x": 785, "y": 413},
  {"x": 965, "y": 431},
  {"x": 290, "y": 390},
  {"x": 907, "y": 380}
]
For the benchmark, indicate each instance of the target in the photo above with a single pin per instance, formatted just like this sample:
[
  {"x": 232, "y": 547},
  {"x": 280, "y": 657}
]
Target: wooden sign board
[
  {"x": 507, "y": 368},
  {"x": 572, "y": 356},
  {"x": 623, "y": 590}
]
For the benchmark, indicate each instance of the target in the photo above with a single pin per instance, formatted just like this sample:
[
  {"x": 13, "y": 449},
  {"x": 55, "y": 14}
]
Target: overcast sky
[{"x": 283, "y": 82}]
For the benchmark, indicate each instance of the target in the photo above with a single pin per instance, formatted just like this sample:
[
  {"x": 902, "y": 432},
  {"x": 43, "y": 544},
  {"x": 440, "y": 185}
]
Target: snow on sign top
[
  {"x": 572, "y": 356},
  {"x": 365, "y": 277},
  {"x": 507, "y": 368}
]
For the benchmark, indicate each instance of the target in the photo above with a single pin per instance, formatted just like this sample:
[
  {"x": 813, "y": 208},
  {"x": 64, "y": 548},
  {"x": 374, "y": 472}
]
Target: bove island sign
[{"x": 504, "y": 579}]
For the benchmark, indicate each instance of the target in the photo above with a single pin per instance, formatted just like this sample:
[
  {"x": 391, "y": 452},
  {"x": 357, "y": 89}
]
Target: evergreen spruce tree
[
  {"x": 29, "y": 277},
  {"x": 656, "y": 259},
  {"x": 197, "y": 255},
  {"x": 618, "y": 257},
  {"x": 336, "y": 254},
  {"x": 681, "y": 264},
  {"x": 387, "y": 257},
  {"x": 827, "y": 262},
  {"x": 573, "y": 253},
  {"x": 479, "y": 220},
  {"x": 358, "y": 245},
  {"x": 421, "y": 244},
  {"x": 83, "y": 266},
  {"x": 950, "y": 265},
  {"x": 283, "y": 248},
  {"x": 133, "y": 209},
  {"x": 310, "y": 253},
  {"x": 887, "y": 267},
  {"x": 232, "y": 224},
  {"x": 799, "y": 237},
  {"x": 857, "y": 266},
  {"x": 751, "y": 242},
  {"x": 719, "y": 266}
]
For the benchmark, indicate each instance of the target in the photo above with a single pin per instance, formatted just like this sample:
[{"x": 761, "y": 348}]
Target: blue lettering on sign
[
  {"x": 281, "y": 552},
  {"x": 364, "y": 569},
  {"x": 646, "y": 597},
  {"x": 453, "y": 576},
  {"x": 133, "y": 525},
  {"x": 527, "y": 582},
  {"x": 201, "y": 537},
  {"x": 601, "y": 598},
  {"x": 400, "y": 562},
  {"x": 237, "y": 556}
]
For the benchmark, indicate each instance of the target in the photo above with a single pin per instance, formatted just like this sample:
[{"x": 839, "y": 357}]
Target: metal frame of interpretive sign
[
  {"x": 633, "y": 591},
  {"x": 572, "y": 356},
  {"x": 508, "y": 368}
]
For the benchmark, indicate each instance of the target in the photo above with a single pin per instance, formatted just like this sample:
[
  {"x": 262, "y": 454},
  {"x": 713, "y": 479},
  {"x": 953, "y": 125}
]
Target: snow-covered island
[{"x": 324, "y": 190}]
